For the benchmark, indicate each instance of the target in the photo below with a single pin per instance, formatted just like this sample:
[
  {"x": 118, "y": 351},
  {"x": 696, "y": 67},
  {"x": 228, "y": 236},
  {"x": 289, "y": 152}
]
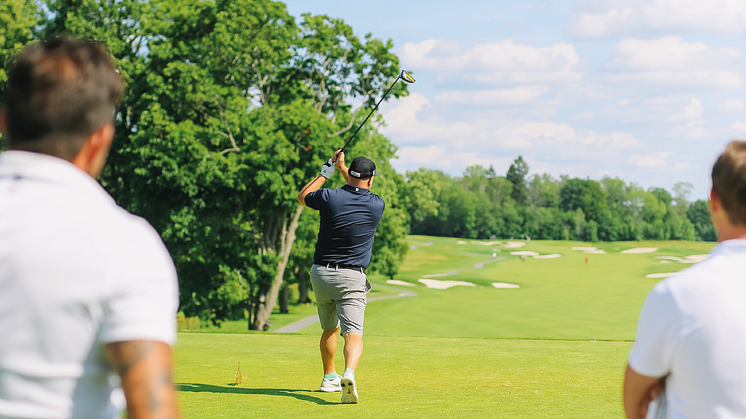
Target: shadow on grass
[{"x": 230, "y": 389}]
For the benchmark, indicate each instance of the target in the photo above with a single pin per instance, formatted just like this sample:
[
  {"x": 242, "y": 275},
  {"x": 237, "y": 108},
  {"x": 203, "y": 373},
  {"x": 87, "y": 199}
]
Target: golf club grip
[{"x": 371, "y": 113}]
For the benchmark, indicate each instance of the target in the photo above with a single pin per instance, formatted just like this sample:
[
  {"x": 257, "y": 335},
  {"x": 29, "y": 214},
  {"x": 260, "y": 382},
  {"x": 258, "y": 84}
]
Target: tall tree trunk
[
  {"x": 284, "y": 299},
  {"x": 285, "y": 239},
  {"x": 303, "y": 284}
]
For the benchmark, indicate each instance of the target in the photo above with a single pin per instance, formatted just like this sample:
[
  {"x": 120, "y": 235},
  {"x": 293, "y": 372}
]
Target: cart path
[{"x": 303, "y": 323}]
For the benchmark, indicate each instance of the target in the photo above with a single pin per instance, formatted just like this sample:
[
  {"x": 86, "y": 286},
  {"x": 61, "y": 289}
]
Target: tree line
[
  {"x": 483, "y": 205},
  {"x": 233, "y": 105}
]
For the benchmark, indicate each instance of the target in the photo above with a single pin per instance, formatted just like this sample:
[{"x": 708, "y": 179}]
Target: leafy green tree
[
  {"x": 517, "y": 176},
  {"x": 17, "y": 21},
  {"x": 419, "y": 194},
  {"x": 699, "y": 214}
]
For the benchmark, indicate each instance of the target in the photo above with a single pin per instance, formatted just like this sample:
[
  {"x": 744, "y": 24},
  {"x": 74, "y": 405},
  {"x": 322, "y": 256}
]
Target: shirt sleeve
[
  {"x": 144, "y": 295},
  {"x": 317, "y": 199},
  {"x": 658, "y": 333}
]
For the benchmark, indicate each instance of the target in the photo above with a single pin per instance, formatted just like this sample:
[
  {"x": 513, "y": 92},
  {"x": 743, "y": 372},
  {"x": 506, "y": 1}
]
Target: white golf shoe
[
  {"x": 349, "y": 389},
  {"x": 329, "y": 386}
]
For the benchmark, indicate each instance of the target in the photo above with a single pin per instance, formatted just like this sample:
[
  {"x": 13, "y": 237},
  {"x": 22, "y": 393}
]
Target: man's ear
[
  {"x": 370, "y": 182},
  {"x": 714, "y": 201}
]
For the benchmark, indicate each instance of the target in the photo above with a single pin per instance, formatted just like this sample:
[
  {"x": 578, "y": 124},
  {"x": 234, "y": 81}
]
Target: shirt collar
[
  {"x": 46, "y": 168},
  {"x": 355, "y": 189},
  {"x": 733, "y": 245}
]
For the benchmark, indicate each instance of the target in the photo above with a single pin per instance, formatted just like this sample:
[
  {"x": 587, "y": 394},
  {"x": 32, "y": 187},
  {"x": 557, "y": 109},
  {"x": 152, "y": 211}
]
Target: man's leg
[
  {"x": 353, "y": 350},
  {"x": 328, "y": 347}
]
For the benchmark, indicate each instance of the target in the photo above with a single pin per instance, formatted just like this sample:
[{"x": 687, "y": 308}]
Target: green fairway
[
  {"x": 555, "y": 347},
  {"x": 560, "y": 298},
  {"x": 401, "y": 377}
]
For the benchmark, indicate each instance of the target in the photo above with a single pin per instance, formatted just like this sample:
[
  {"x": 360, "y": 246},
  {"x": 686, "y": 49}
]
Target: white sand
[
  {"x": 695, "y": 258},
  {"x": 397, "y": 282},
  {"x": 661, "y": 275},
  {"x": 636, "y": 250},
  {"x": 488, "y": 243},
  {"x": 525, "y": 253},
  {"x": 688, "y": 259},
  {"x": 504, "y": 285},
  {"x": 514, "y": 244},
  {"x": 535, "y": 255},
  {"x": 444, "y": 285},
  {"x": 461, "y": 242},
  {"x": 552, "y": 256},
  {"x": 594, "y": 250}
]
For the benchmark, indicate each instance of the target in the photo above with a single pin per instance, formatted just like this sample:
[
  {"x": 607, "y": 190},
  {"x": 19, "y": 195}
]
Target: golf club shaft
[{"x": 371, "y": 113}]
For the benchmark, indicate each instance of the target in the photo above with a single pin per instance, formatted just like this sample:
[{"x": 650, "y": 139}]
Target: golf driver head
[{"x": 406, "y": 77}]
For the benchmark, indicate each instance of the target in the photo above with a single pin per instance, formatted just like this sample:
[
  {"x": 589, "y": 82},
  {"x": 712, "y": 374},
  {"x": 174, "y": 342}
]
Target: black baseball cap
[{"x": 363, "y": 168}]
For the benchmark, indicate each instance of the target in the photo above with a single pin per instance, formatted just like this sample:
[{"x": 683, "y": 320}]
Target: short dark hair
[
  {"x": 729, "y": 181},
  {"x": 59, "y": 93}
]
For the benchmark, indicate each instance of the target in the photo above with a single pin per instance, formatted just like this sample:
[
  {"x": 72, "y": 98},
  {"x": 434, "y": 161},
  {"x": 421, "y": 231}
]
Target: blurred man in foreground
[
  {"x": 691, "y": 338},
  {"x": 88, "y": 292}
]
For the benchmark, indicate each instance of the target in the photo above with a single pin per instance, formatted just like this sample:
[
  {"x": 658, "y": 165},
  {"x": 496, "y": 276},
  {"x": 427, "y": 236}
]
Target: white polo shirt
[
  {"x": 76, "y": 272},
  {"x": 693, "y": 327}
]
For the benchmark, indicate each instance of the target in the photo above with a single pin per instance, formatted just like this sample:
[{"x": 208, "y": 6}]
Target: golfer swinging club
[{"x": 349, "y": 217}]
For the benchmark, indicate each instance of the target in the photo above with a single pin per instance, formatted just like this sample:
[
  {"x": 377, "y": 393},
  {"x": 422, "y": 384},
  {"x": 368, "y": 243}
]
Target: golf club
[{"x": 403, "y": 76}]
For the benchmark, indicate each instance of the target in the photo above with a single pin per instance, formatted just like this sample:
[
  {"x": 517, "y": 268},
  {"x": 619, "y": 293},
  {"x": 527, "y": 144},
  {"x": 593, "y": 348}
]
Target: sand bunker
[
  {"x": 661, "y": 275},
  {"x": 525, "y": 253},
  {"x": 594, "y": 250},
  {"x": 444, "y": 285},
  {"x": 535, "y": 255},
  {"x": 687, "y": 259},
  {"x": 636, "y": 250},
  {"x": 461, "y": 242},
  {"x": 514, "y": 244},
  {"x": 488, "y": 243},
  {"x": 504, "y": 285},
  {"x": 397, "y": 282}
]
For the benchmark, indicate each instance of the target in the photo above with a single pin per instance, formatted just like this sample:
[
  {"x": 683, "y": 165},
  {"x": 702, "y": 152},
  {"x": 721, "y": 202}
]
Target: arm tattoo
[{"x": 127, "y": 354}]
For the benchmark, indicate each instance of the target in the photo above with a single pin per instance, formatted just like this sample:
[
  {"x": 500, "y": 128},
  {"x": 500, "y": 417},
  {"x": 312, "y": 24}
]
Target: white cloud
[
  {"x": 692, "y": 110},
  {"x": 428, "y": 138},
  {"x": 670, "y": 61},
  {"x": 583, "y": 116},
  {"x": 659, "y": 160},
  {"x": 739, "y": 125},
  {"x": 516, "y": 96},
  {"x": 673, "y": 109},
  {"x": 494, "y": 62},
  {"x": 731, "y": 106},
  {"x": 607, "y": 18}
]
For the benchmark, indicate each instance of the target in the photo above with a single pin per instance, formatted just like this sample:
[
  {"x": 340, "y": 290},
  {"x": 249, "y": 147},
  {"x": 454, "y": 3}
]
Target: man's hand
[
  {"x": 328, "y": 168},
  {"x": 145, "y": 368},
  {"x": 339, "y": 158}
]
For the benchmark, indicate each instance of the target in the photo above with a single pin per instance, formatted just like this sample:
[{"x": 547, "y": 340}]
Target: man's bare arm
[
  {"x": 639, "y": 391},
  {"x": 145, "y": 368},
  {"x": 311, "y": 186}
]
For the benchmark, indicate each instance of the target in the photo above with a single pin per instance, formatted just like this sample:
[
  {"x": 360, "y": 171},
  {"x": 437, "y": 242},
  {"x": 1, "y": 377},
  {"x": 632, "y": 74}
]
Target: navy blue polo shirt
[{"x": 349, "y": 217}]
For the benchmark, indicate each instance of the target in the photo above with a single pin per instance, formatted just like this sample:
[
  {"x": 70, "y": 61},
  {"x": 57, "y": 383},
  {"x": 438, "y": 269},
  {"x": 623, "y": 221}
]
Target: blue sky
[{"x": 649, "y": 91}]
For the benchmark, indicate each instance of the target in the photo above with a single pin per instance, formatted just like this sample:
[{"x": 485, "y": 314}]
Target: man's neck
[{"x": 732, "y": 233}]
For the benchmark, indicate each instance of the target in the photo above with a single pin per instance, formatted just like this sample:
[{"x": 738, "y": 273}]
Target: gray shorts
[{"x": 340, "y": 298}]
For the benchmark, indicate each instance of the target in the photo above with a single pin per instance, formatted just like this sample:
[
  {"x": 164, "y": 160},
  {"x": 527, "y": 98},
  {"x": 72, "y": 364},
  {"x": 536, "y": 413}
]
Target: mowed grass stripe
[{"x": 401, "y": 377}]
